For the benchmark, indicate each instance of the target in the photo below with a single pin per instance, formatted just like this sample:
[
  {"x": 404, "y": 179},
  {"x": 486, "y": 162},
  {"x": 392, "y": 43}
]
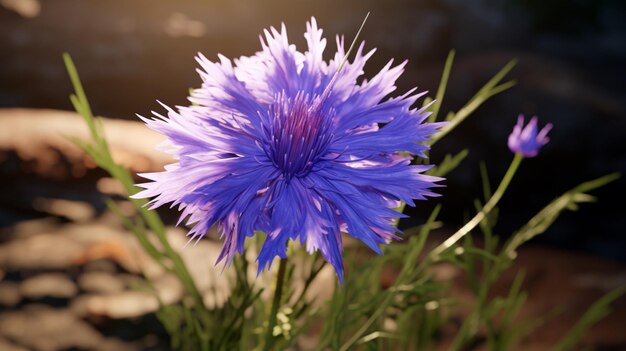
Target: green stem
[
  {"x": 280, "y": 278},
  {"x": 493, "y": 201},
  {"x": 154, "y": 222},
  {"x": 405, "y": 273}
]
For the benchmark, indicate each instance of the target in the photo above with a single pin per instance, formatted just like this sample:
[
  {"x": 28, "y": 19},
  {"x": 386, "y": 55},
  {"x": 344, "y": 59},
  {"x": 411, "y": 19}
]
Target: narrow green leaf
[
  {"x": 78, "y": 87},
  {"x": 442, "y": 87},
  {"x": 544, "y": 219},
  {"x": 597, "y": 311},
  {"x": 484, "y": 176},
  {"x": 490, "y": 89},
  {"x": 448, "y": 164},
  {"x": 596, "y": 183}
]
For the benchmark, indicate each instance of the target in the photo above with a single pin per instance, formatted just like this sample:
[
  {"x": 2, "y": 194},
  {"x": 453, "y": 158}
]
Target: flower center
[{"x": 300, "y": 133}]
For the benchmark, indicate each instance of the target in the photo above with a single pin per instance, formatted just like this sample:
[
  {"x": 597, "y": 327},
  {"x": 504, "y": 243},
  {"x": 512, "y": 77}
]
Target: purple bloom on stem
[
  {"x": 525, "y": 140},
  {"x": 286, "y": 143}
]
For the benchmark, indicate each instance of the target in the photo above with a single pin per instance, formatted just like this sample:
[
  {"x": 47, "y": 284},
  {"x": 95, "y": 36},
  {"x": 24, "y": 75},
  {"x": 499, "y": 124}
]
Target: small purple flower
[
  {"x": 526, "y": 141},
  {"x": 286, "y": 143}
]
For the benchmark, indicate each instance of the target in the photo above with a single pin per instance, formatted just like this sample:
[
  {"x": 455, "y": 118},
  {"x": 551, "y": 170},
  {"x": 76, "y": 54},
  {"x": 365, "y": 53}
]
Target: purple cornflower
[
  {"x": 289, "y": 144},
  {"x": 526, "y": 141}
]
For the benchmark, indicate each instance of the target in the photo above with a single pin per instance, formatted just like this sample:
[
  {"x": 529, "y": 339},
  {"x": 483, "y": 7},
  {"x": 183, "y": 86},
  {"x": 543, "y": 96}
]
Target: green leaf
[
  {"x": 544, "y": 219},
  {"x": 449, "y": 163},
  {"x": 442, "y": 88},
  {"x": 597, "y": 311},
  {"x": 491, "y": 88}
]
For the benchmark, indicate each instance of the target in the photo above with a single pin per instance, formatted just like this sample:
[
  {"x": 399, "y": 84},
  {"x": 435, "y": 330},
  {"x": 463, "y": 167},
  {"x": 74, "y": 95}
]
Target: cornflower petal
[
  {"x": 526, "y": 140},
  {"x": 270, "y": 145}
]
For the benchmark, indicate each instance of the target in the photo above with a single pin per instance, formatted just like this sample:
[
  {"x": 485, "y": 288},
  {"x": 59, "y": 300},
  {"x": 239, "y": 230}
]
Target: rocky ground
[{"x": 69, "y": 272}]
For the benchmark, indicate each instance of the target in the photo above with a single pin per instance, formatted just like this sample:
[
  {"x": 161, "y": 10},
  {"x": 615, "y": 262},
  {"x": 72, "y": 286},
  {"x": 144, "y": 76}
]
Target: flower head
[
  {"x": 526, "y": 141},
  {"x": 289, "y": 144}
]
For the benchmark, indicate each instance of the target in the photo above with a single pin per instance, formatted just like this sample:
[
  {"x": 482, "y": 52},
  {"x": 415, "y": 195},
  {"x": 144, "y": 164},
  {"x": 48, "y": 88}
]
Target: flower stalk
[
  {"x": 482, "y": 214},
  {"x": 278, "y": 292}
]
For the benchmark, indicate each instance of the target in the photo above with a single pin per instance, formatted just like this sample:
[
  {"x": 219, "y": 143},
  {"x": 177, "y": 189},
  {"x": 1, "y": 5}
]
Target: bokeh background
[{"x": 131, "y": 53}]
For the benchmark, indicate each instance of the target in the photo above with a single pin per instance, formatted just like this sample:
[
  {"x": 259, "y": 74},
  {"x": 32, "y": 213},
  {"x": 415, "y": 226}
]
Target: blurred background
[{"x": 131, "y": 53}]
